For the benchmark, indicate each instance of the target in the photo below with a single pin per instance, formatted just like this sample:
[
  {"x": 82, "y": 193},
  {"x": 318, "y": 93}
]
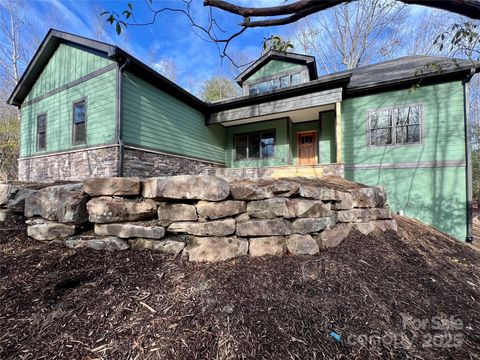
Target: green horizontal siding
[
  {"x": 274, "y": 67},
  {"x": 435, "y": 196},
  {"x": 67, "y": 64},
  {"x": 327, "y": 138},
  {"x": 281, "y": 144},
  {"x": 443, "y": 128},
  {"x": 153, "y": 119},
  {"x": 100, "y": 93}
]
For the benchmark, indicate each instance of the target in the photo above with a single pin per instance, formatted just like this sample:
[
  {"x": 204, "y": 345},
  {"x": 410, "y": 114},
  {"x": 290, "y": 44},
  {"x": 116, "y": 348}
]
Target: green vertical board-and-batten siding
[
  {"x": 99, "y": 93},
  {"x": 436, "y": 194},
  {"x": 67, "y": 64},
  {"x": 274, "y": 67},
  {"x": 281, "y": 144},
  {"x": 155, "y": 120}
]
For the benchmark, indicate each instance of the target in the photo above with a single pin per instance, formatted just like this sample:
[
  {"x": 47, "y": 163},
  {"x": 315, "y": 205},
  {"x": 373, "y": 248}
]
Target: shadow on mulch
[{"x": 415, "y": 294}]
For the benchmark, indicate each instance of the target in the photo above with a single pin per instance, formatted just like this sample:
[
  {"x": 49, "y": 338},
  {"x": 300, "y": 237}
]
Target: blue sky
[{"x": 171, "y": 37}]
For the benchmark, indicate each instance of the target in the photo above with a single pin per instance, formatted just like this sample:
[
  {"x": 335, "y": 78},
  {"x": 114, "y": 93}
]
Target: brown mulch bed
[{"x": 57, "y": 303}]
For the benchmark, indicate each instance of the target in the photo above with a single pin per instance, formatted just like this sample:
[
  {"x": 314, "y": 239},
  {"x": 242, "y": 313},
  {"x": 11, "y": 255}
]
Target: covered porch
[{"x": 296, "y": 136}]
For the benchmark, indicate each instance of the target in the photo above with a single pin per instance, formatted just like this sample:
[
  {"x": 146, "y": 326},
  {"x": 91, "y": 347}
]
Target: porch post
[{"x": 338, "y": 131}]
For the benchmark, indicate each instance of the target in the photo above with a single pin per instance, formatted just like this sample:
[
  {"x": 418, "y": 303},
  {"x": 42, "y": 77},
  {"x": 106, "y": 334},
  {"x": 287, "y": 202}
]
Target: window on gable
[
  {"x": 79, "y": 122},
  {"x": 395, "y": 126},
  {"x": 41, "y": 132},
  {"x": 275, "y": 83},
  {"x": 258, "y": 145}
]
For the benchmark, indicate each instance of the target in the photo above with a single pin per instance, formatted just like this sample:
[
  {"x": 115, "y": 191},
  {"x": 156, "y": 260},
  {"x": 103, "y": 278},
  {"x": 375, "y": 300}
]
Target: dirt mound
[{"x": 415, "y": 294}]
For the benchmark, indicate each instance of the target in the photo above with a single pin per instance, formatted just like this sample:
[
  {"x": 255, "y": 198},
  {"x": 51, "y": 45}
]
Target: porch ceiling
[
  {"x": 296, "y": 116},
  {"x": 297, "y": 108}
]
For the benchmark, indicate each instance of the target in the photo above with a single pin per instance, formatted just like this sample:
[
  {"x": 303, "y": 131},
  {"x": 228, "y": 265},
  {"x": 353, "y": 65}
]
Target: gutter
[
  {"x": 468, "y": 154},
  {"x": 118, "y": 113}
]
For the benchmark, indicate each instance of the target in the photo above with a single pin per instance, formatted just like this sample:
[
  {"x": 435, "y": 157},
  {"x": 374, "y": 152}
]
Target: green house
[{"x": 91, "y": 109}]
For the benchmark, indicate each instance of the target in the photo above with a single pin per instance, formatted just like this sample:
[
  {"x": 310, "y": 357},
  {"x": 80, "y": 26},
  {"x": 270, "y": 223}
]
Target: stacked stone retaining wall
[{"x": 203, "y": 217}]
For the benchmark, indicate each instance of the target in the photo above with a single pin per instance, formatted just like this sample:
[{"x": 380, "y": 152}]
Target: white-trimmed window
[{"x": 399, "y": 125}]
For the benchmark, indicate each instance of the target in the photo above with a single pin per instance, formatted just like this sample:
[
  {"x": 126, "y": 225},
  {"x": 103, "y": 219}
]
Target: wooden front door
[{"x": 307, "y": 148}]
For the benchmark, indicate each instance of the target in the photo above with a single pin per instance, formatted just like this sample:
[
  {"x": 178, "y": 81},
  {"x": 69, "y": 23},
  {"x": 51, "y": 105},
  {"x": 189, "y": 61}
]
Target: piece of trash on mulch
[{"x": 334, "y": 335}]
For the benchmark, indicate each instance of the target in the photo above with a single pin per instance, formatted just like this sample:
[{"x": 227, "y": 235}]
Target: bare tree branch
[{"x": 302, "y": 8}]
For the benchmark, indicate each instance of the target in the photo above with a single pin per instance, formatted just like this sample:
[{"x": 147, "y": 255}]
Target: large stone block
[
  {"x": 113, "y": 186},
  {"x": 110, "y": 243},
  {"x": 308, "y": 208},
  {"x": 129, "y": 230},
  {"x": 218, "y": 210},
  {"x": 212, "y": 249},
  {"x": 302, "y": 245},
  {"x": 190, "y": 187},
  {"x": 111, "y": 210},
  {"x": 17, "y": 203},
  {"x": 269, "y": 209},
  {"x": 251, "y": 190},
  {"x": 266, "y": 227},
  {"x": 7, "y": 192},
  {"x": 318, "y": 193},
  {"x": 334, "y": 236},
  {"x": 210, "y": 228},
  {"x": 310, "y": 225},
  {"x": 166, "y": 246},
  {"x": 386, "y": 225},
  {"x": 285, "y": 188},
  {"x": 270, "y": 245},
  {"x": 369, "y": 197},
  {"x": 363, "y": 215},
  {"x": 62, "y": 203},
  {"x": 48, "y": 230},
  {"x": 168, "y": 213}
]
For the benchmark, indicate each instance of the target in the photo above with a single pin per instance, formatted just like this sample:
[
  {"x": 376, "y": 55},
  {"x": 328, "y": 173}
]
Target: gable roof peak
[{"x": 292, "y": 57}]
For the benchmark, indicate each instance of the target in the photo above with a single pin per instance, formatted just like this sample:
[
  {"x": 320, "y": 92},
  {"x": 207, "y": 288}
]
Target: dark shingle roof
[{"x": 405, "y": 69}]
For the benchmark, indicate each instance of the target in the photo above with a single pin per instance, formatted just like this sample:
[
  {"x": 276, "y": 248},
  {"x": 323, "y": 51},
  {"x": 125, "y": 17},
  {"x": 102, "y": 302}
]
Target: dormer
[{"x": 275, "y": 70}]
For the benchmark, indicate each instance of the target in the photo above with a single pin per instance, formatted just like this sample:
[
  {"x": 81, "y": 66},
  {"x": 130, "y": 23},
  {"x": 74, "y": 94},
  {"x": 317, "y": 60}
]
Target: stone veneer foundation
[
  {"x": 104, "y": 162},
  {"x": 145, "y": 163},
  {"x": 70, "y": 165}
]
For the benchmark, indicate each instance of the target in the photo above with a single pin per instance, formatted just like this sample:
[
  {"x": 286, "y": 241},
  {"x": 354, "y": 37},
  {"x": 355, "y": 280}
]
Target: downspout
[
  {"x": 119, "y": 136},
  {"x": 468, "y": 154}
]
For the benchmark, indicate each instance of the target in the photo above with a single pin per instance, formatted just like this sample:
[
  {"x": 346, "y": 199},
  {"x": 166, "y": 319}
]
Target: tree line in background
[{"x": 342, "y": 37}]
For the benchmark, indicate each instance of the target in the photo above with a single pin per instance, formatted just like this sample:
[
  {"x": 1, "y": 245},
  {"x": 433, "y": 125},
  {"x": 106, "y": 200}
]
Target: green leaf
[
  {"x": 118, "y": 28},
  {"x": 130, "y": 6},
  {"x": 104, "y": 13},
  {"x": 111, "y": 19}
]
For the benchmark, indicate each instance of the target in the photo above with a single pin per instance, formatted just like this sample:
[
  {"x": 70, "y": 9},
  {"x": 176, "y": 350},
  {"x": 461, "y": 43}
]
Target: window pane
[
  {"x": 296, "y": 79},
  {"x": 41, "y": 123},
  {"x": 253, "y": 89},
  {"x": 381, "y": 137},
  {"x": 273, "y": 84},
  {"x": 79, "y": 133},
  {"x": 254, "y": 145},
  {"x": 262, "y": 87},
  {"x": 240, "y": 147},
  {"x": 408, "y": 134},
  {"x": 41, "y": 144},
  {"x": 379, "y": 119},
  {"x": 408, "y": 115},
  {"x": 268, "y": 144},
  {"x": 284, "y": 81},
  {"x": 79, "y": 112}
]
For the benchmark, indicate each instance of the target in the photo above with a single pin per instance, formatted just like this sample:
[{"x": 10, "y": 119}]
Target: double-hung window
[
  {"x": 395, "y": 126},
  {"x": 259, "y": 145},
  {"x": 80, "y": 122},
  {"x": 41, "y": 132}
]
